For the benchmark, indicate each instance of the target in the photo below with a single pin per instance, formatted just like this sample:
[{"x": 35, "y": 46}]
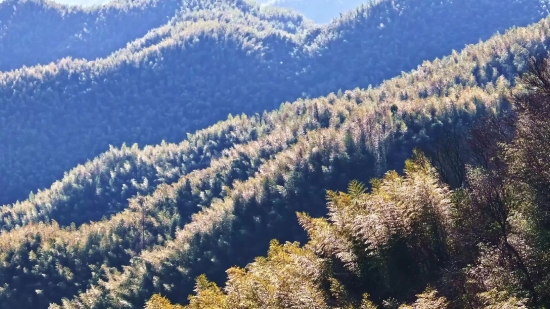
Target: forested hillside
[
  {"x": 58, "y": 31},
  {"x": 160, "y": 85},
  {"x": 40, "y": 31},
  {"x": 411, "y": 242},
  {"x": 241, "y": 183}
]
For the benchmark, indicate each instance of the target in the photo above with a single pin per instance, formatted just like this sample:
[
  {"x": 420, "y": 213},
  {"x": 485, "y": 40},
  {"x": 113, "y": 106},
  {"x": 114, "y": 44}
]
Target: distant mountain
[
  {"x": 159, "y": 86},
  {"x": 135, "y": 59},
  {"x": 254, "y": 178},
  {"x": 320, "y": 11},
  {"x": 41, "y": 31}
]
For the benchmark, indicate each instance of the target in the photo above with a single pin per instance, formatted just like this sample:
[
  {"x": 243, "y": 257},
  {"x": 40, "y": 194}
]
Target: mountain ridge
[
  {"x": 212, "y": 218},
  {"x": 292, "y": 179},
  {"x": 288, "y": 66},
  {"x": 135, "y": 222}
]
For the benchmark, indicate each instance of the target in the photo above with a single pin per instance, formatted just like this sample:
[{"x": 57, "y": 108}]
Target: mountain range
[
  {"x": 167, "y": 78},
  {"x": 311, "y": 107}
]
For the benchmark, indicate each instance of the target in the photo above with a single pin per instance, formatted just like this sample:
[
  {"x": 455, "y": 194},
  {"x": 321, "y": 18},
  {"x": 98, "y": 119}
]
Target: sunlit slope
[
  {"x": 102, "y": 187},
  {"x": 369, "y": 140},
  {"x": 160, "y": 86},
  {"x": 169, "y": 207},
  {"x": 249, "y": 194}
]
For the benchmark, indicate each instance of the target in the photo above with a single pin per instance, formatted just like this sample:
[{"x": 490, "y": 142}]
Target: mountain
[
  {"x": 41, "y": 31},
  {"x": 279, "y": 163},
  {"x": 412, "y": 241},
  {"x": 158, "y": 87},
  {"x": 102, "y": 186},
  {"x": 122, "y": 78},
  {"x": 58, "y": 31},
  {"x": 320, "y": 11},
  {"x": 229, "y": 231}
]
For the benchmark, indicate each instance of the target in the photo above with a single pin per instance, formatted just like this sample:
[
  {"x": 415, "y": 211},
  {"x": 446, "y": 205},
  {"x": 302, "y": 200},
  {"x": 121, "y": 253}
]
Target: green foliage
[
  {"x": 307, "y": 277},
  {"x": 215, "y": 200},
  {"x": 428, "y": 300},
  {"x": 159, "y": 302},
  {"x": 356, "y": 189},
  {"x": 483, "y": 246},
  {"x": 158, "y": 86}
]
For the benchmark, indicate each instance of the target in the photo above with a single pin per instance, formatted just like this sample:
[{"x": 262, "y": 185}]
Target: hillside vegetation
[
  {"x": 232, "y": 229},
  {"x": 248, "y": 181},
  {"x": 159, "y": 86},
  {"x": 40, "y": 31},
  {"x": 482, "y": 245},
  {"x": 58, "y": 31}
]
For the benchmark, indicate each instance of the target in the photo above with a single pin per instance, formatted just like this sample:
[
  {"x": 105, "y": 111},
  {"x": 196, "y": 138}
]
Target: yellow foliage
[
  {"x": 428, "y": 300},
  {"x": 366, "y": 303},
  {"x": 289, "y": 277},
  {"x": 410, "y": 206},
  {"x": 501, "y": 300},
  {"x": 209, "y": 296},
  {"x": 160, "y": 302}
]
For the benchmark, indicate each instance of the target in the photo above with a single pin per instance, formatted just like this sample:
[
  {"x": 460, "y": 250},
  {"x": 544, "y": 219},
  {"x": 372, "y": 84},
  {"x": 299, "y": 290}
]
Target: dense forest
[
  {"x": 412, "y": 242},
  {"x": 216, "y": 200},
  {"x": 226, "y": 154},
  {"x": 158, "y": 86},
  {"x": 60, "y": 31}
]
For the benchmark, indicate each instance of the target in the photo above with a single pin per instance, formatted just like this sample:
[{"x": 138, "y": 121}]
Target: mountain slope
[
  {"x": 58, "y": 31},
  {"x": 39, "y": 32},
  {"x": 388, "y": 38},
  {"x": 167, "y": 79},
  {"x": 371, "y": 139},
  {"x": 249, "y": 196},
  {"x": 90, "y": 242},
  {"x": 101, "y": 187},
  {"x": 410, "y": 241},
  {"x": 147, "y": 96}
]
